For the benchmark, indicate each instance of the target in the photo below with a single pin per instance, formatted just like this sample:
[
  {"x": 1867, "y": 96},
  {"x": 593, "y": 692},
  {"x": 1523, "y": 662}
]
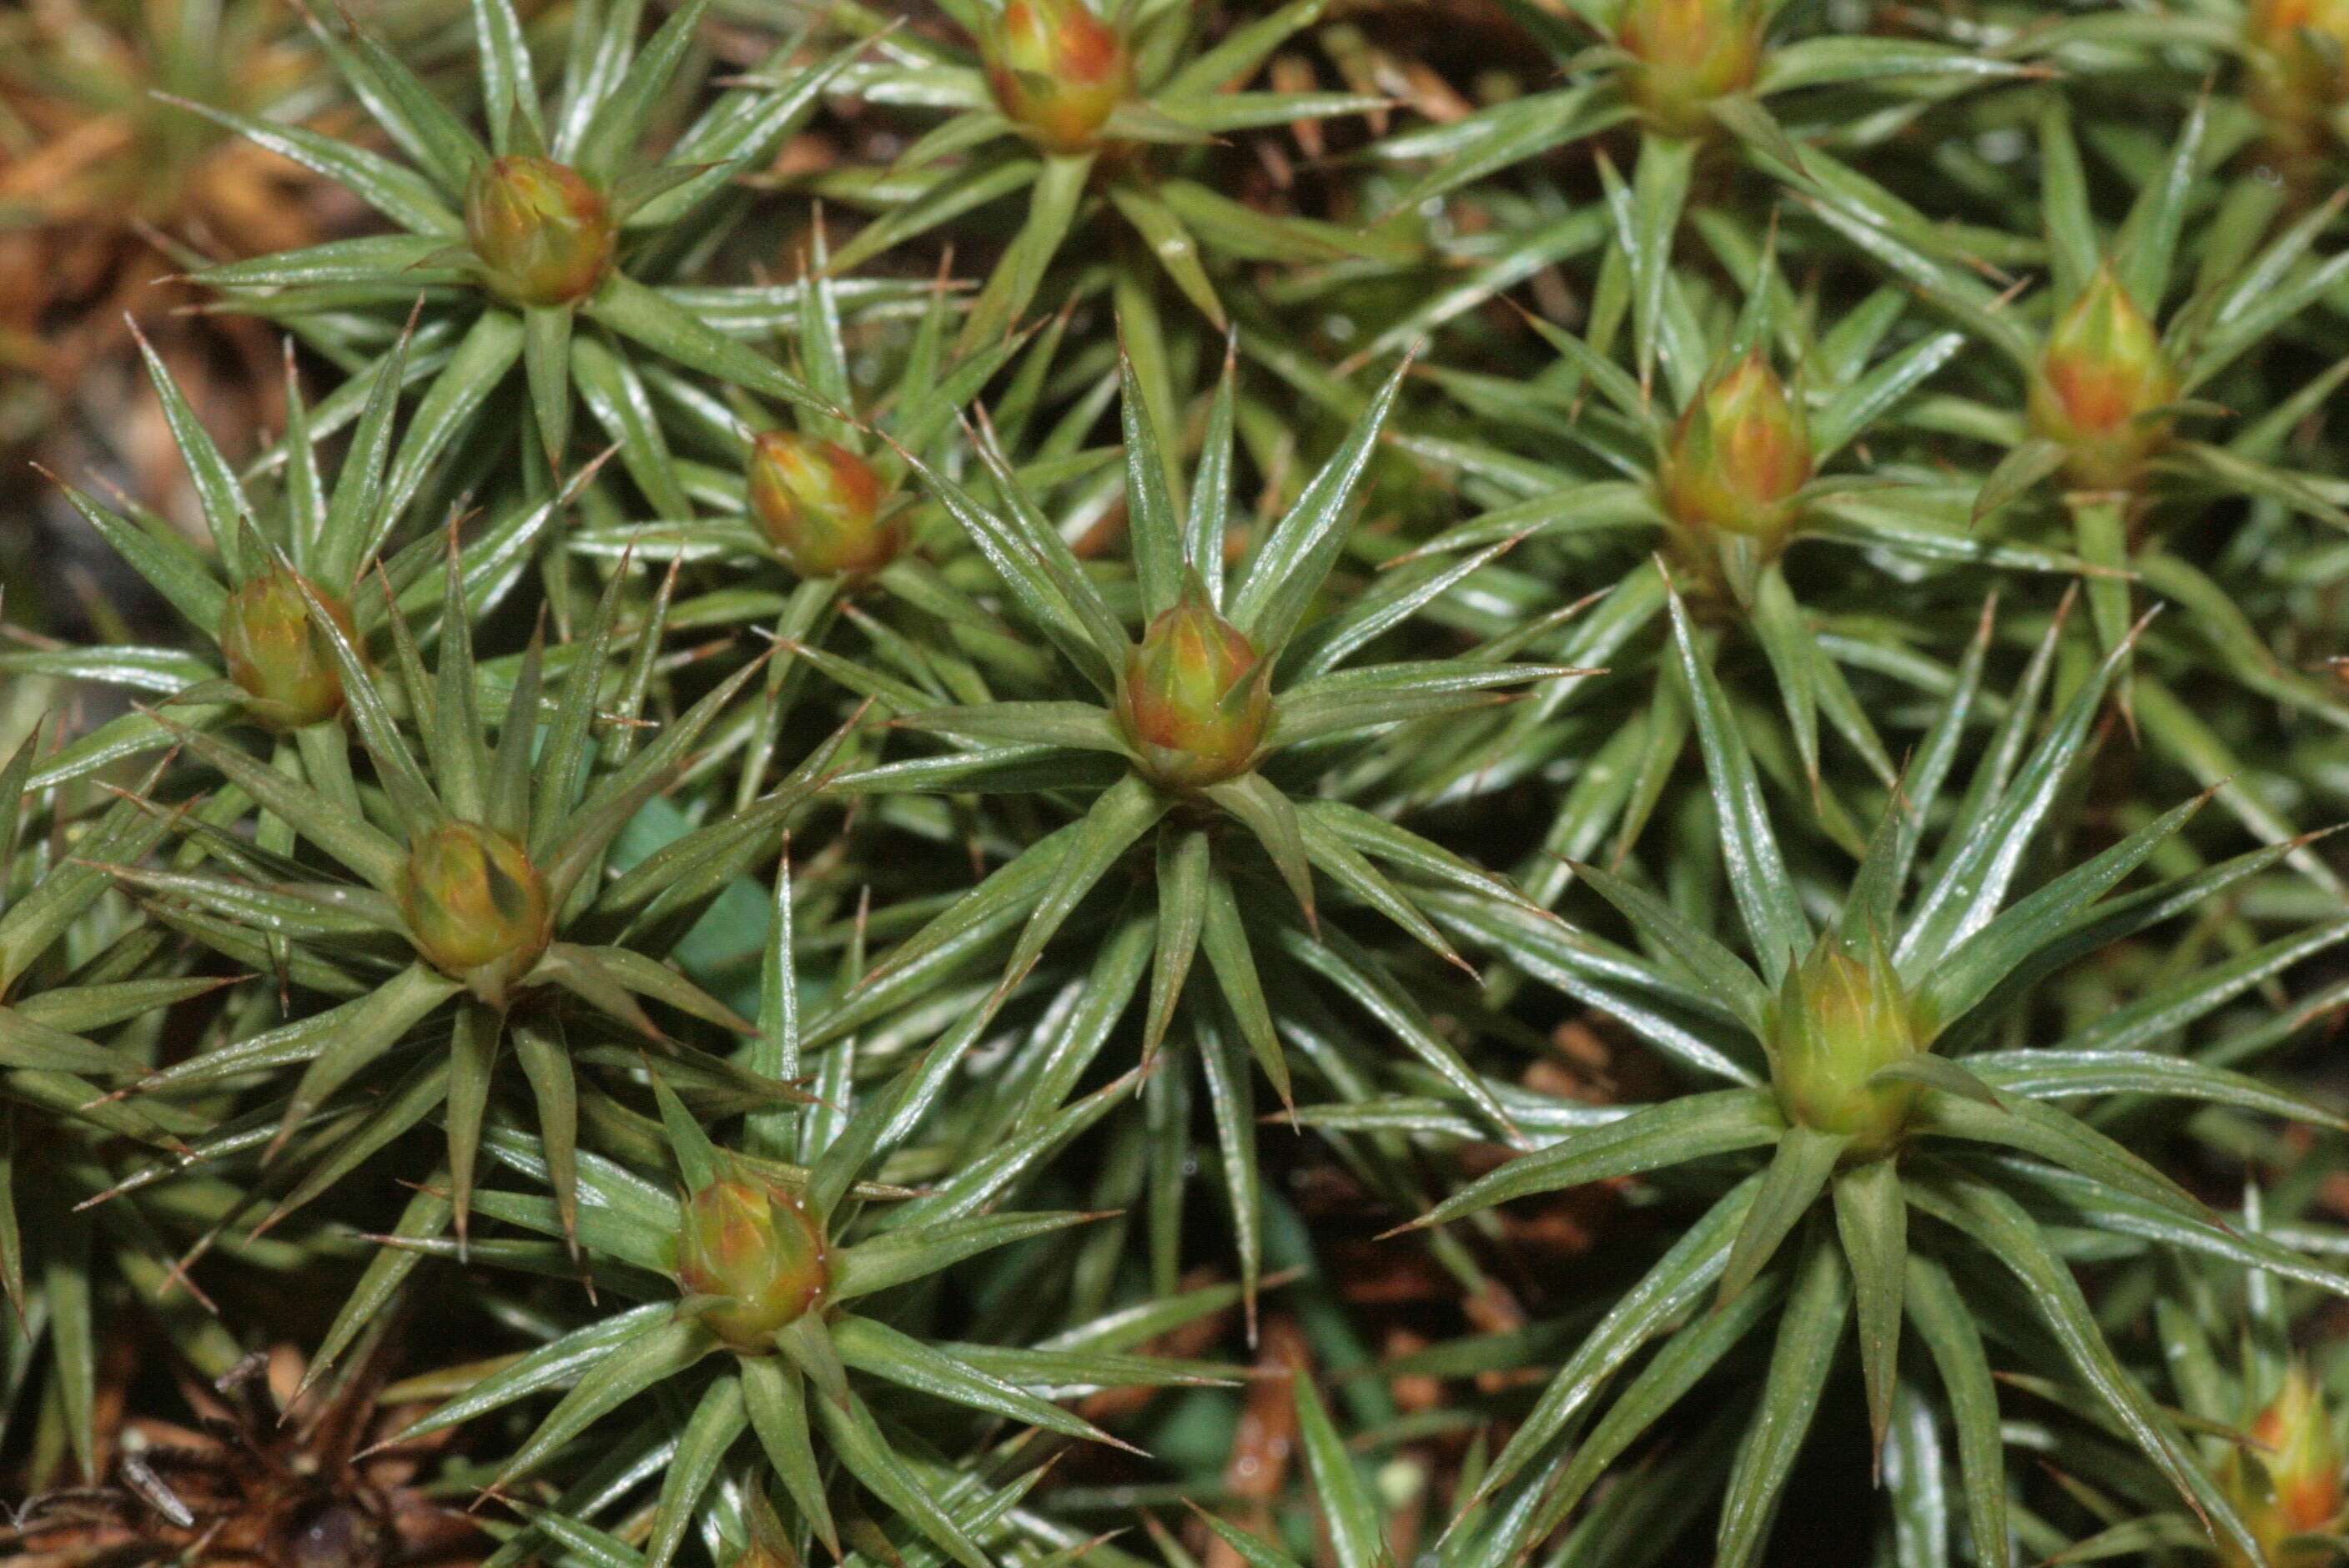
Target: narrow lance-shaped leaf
[
  {"x": 1670, "y": 1132},
  {"x": 1813, "y": 1323},
  {"x": 1774, "y": 920},
  {"x": 546, "y": 1063},
  {"x": 1948, "y": 1329},
  {"x": 1356, "y": 1532},
  {"x": 1123, "y": 812},
  {"x": 1231, "y": 1099},
  {"x": 1872, "y": 1219},
  {"x": 627, "y": 1369},
  {"x": 777, "y": 1402},
  {"x": 1151, "y": 524},
  {"x": 1287, "y": 569},
  {"x": 1205, "y": 528},
  {"x": 716, "y": 1420},
  {"x": 775, "y": 1048},
  {"x": 1661, "y": 1295},
  {"x": 1184, "y": 867},
  {"x": 857, "y": 1439},
  {"x": 473, "y": 1048},
  {"x": 1797, "y": 1172},
  {"x": 1966, "y": 893}
]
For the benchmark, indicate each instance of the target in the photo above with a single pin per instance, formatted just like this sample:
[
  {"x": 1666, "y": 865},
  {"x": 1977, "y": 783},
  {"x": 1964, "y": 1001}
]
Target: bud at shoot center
[
  {"x": 2103, "y": 375},
  {"x": 472, "y": 899},
  {"x": 2298, "y": 58},
  {"x": 1840, "y": 1020},
  {"x": 1737, "y": 456},
  {"x": 820, "y": 504},
  {"x": 2289, "y": 1483},
  {"x": 2302, "y": 1458},
  {"x": 1687, "y": 53},
  {"x": 1058, "y": 72},
  {"x": 272, "y": 649},
  {"x": 757, "y": 1256},
  {"x": 542, "y": 233},
  {"x": 1193, "y": 703}
]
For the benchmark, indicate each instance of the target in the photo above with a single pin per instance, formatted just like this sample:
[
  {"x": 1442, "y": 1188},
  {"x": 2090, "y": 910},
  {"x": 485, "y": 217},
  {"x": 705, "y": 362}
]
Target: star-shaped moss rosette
[
  {"x": 813, "y": 520},
  {"x": 2131, "y": 353},
  {"x": 553, "y": 248},
  {"x": 1204, "y": 740},
  {"x": 1101, "y": 115},
  {"x": 1874, "y": 1096},
  {"x": 277, "y": 548},
  {"x": 475, "y": 865},
  {"x": 756, "y": 1277},
  {"x": 1594, "y": 475}
]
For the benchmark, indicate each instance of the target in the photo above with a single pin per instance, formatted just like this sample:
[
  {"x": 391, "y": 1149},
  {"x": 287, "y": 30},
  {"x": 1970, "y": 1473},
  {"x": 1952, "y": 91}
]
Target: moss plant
[{"x": 1032, "y": 782}]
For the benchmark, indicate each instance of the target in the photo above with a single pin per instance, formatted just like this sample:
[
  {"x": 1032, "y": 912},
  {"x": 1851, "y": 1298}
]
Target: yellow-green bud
[
  {"x": 542, "y": 234},
  {"x": 1058, "y": 72},
  {"x": 1686, "y": 54},
  {"x": 1839, "y": 1020},
  {"x": 277, "y": 652},
  {"x": 1737, "y": 456},
  {"x": 472, "y": 900},
  {"x": 2298, "y": 58},
  {"x": 756, "y": 1257},
  {"x": 820, "y": 504},
  {"x": 2291, "y": 1485},
  {"x": 2103, "y": 375},
  {"x": 1193, "y": 702}
]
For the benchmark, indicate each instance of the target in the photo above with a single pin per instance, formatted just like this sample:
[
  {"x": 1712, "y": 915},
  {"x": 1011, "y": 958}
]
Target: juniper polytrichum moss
[{"x": 1315, "y": 783}]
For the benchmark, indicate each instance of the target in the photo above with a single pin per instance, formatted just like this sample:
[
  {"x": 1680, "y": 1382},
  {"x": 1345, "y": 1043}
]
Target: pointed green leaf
[
  {"x": 1287, "y": 569},
  {"x": 701, "y": 1447},
  {"x": 1774, "y": 920},
  {"x": 1808, "y": 1333},
  {"x": 1670, "y": 1132},
  {"x": 1797, "y": 1172},
  {"x": 1872, "y": 1219}
]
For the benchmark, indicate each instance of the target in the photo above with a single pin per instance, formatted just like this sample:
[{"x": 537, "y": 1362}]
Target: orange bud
[
  {"x": 1737, "y": 456},
  {"x": 758, "y": 1257},
  {"x": 1058, "y": 72},
  {"x": 542, "y": 234},
  {"x": 1687, "y": 54},
  {"x": 1839, "y": 1020},
  {"x": 278, "y": 655},
  {"x": 2289, "y": 1483},
  {"x": 472, "y": 900},
  {"x": 2103, "y": 374},
  {"x": 1193, "y": 701},
  {"x": 821, "y": 505},
  {"x": 2303, "y": 1459}
]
